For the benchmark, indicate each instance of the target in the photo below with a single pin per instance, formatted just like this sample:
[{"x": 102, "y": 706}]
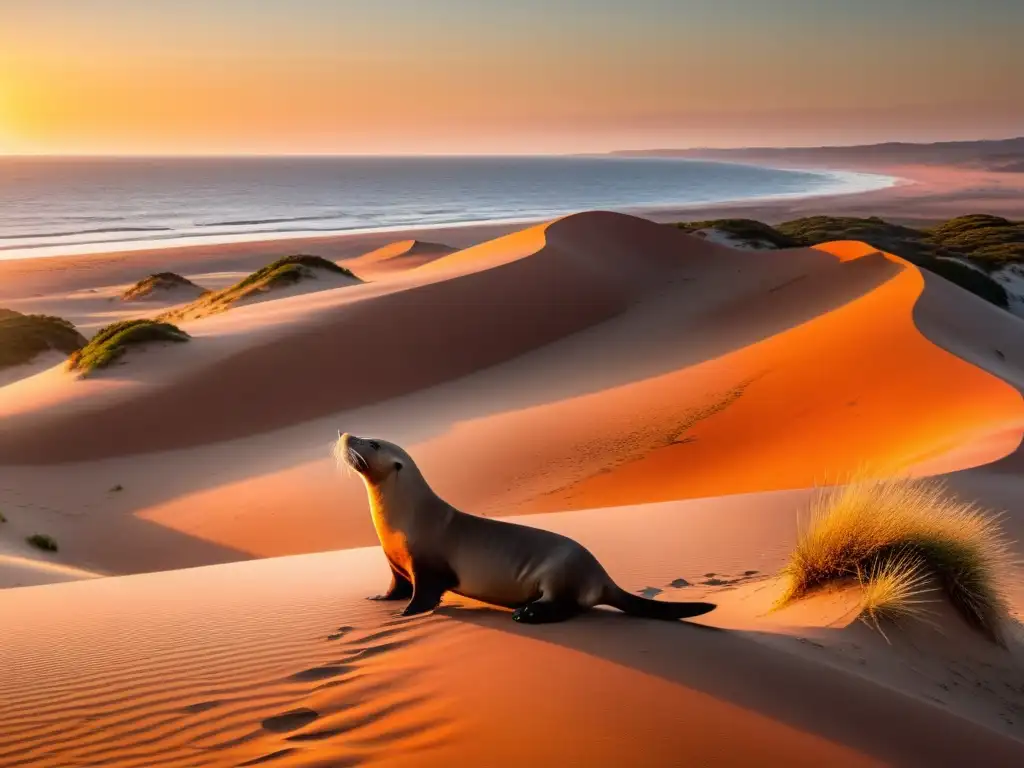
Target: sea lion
[{"x": 433, "y": 548}]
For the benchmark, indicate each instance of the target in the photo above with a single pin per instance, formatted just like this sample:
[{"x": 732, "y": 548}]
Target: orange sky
[{"x": 312, "y": 76}]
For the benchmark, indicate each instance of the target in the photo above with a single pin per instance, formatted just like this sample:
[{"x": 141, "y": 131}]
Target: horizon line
[{"x": 284, "y": 155}]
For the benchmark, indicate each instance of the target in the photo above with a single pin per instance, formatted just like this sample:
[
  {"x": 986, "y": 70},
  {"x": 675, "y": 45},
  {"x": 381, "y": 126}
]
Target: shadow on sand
[{"x": 735, "y": 667}]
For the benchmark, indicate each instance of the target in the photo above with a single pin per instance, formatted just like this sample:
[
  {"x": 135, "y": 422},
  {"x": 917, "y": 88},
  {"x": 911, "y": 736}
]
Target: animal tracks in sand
[
  {"x": 290, "y": 698},
  {"x": 361, "y": 703},
  {"x": 709, "y": 580}
]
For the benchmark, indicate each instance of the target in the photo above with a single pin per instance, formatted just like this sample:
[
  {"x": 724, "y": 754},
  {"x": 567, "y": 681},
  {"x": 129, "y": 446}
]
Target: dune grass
[
  {"x": 113, "y": 340},
  {"x": 43, "y": 542},
  {"x": 161, "y": 281},
  {"x": 893, "y": 590},
  {"x": 22, "y": 337},
  {"x": 283, "y": 272},
  {"x": 896, "y": 536}
]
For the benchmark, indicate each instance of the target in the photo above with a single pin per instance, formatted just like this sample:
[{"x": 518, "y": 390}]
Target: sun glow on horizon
[{"x": 307, "y": 77}]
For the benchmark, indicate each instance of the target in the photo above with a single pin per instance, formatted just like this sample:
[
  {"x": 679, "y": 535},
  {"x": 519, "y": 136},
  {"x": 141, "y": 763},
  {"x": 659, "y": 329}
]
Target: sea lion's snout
[{"x": 349, "y": 445}]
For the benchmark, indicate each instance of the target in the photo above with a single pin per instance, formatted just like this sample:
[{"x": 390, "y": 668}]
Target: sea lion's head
[{"x": 375, "y": 460}]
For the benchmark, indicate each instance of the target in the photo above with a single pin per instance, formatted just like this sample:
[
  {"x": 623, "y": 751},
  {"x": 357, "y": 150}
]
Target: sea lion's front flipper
[
  {"x": 544, "y": 612},
  {"x": 429, "y": 587},
  {"x": 400, "y": 589}
]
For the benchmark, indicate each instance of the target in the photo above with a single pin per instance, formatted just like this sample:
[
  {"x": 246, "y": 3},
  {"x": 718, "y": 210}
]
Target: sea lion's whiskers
[{"x": 340, "y": 456}]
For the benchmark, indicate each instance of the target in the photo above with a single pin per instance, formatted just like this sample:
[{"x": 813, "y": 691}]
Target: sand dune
[
  {"x": 528, "y": 290},
  {"x": 285, "y": 658},
  {"x": 733, "y": 371},
  {"x": 21, "y": 571},
  {"x": 163, "y": 286},
  {"x": 398, "y": 256},
  {"x": 675, "y": 395}
]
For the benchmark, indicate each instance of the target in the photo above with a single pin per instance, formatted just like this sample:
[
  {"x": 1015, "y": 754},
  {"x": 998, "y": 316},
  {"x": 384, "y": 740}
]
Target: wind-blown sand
[{"x": 664, "y": 399}]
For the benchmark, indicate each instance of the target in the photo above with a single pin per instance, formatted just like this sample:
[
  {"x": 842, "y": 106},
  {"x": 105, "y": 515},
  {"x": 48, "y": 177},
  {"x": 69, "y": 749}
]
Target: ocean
[{"x": 53, "y": 206}]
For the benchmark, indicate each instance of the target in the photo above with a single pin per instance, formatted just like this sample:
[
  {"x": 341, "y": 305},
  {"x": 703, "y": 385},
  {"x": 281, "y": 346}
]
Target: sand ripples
[{"x": 281, "y": 689}]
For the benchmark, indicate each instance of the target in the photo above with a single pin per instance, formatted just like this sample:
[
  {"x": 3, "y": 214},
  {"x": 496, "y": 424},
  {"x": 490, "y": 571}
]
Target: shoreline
[
  {"x": 840, "y": 182},
  {"x": 922, "y": 196}
]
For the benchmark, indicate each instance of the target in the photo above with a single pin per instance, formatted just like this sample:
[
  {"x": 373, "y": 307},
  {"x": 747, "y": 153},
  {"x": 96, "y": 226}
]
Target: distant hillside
[
  {"x": 1006, "y": 155},
  {"x": 979, "y": 252}
]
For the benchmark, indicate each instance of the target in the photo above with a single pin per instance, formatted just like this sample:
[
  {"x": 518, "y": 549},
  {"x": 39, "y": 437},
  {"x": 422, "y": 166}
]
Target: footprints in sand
[
  {"x": 358, "y": 704},
  {"x": 710, "y": 580},
  {"x": 290, "y": 721},
  {"x": 320, "y": 673},
  {"x": 342, "y": 631}
]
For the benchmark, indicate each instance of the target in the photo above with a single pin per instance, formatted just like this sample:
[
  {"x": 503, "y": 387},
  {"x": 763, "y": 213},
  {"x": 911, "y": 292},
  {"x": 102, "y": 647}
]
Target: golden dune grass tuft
[
  {"x": 892, "y": 590},
  {"x": 894, "y": 536}
]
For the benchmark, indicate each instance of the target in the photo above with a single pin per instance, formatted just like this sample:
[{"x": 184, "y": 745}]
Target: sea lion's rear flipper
[
  {"x": 654, "y": 609},
  {"x": 545, "y": 612}
]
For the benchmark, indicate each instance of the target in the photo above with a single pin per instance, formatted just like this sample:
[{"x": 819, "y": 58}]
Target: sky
[{"x": 502, "y": 77}]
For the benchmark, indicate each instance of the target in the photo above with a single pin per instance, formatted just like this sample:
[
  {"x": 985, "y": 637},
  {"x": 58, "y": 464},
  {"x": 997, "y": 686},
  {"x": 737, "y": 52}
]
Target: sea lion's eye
[
  {"x": 375, "y": 445},
  {"x": 398, "y": 466}
]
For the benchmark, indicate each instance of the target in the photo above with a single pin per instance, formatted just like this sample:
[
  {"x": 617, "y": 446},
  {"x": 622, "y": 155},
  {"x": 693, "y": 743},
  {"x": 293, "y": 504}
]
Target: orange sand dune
[
  {"x": 400, "y": 255},
  {"x": 595, "y": 361},
  {"x": 432, "y": 334},
  {"x": 856, "y": 385},
  {"x": 284, "y": 659}
]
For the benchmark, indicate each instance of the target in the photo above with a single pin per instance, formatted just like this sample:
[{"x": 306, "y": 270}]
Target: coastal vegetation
[
  {"x": 112, "y": 341},
  {"x": 900, "y": 539},
  {"x": 989, "y": 241},
  {"x": 284, "y": 272},
  {"x": 43, "y": 542},
  {"x": 965, "y": 250},
  {"x": 161, "y": 282},
  {"x": 22, "y": 337},
  {"x": 744, "y": 230}
]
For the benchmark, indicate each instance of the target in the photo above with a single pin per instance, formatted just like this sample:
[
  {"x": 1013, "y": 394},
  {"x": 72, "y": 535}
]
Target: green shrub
[
  {"x": 988, "y": 241},
  {"x": 43, "y": 542},
  {"x": 22, "y": 337},
  {"x": 113, "y": 340}
]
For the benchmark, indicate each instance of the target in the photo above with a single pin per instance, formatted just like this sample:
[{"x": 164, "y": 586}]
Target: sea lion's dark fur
[{"x": 434, "y": 548}]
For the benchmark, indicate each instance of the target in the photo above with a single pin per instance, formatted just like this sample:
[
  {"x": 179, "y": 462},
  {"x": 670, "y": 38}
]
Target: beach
[
  {"x": 667, "y": 401},
  {"x": 921, "y": 195}
]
